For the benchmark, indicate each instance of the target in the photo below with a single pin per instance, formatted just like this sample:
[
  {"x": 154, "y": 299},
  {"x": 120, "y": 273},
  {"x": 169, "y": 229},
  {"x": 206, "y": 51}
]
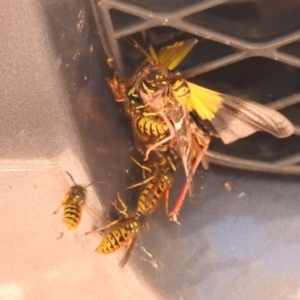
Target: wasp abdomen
[
  {"x": 72, "y": 214},
  {"x": 151, "y": 195},
  {"x": 150, "y": 126},
  {"x": 113, "y": 240},
  {"x": 117, "y": 238}
]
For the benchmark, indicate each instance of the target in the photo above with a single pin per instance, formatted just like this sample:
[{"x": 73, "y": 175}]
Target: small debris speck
[
  {"x": 61, "y": 234},
  {"x": 227, "y": 186}
]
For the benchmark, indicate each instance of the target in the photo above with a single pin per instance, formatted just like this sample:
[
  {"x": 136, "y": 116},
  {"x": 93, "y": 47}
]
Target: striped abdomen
[
  {"x": 72, "y": 214},
  {"x": 148, "y": 125},
  {"x": 153, "y": 192},
  {"x": 119, "y": 237},
  {"x": 151, "y": 126}
]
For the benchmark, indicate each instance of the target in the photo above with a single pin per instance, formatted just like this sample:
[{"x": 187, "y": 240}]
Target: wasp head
[{"x": 78, "y": 194}]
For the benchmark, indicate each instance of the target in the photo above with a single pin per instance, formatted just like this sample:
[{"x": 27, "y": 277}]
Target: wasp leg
[
  {"x": 62, "y": 203},
  {"x": 140, "y": 165},
  {"x": 205, "y": 164},
  {"x": 143, "y": 168},
  {"x": 90, "y": 211},
  {"x": 140, "y": 183},
  {"x": 56, "y": 211},
  {"x": 167, "y": 194},
  {"x": 173, "y": 215},
  {"x": 123, "y": 210},
  {"x": 102, "y": 228}
]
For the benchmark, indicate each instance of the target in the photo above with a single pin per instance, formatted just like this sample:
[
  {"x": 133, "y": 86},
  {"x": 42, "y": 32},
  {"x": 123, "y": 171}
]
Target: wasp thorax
[{"x": 78, "y": 194}]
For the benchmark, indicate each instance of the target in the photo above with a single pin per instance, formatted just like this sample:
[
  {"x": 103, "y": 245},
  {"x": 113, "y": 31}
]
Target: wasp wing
[
  {"x": 126, "y": 256},
  {"x": 172, "y": 55},
  {"x": 234, "y": 118},
  {"x": 183, "y": 139}
]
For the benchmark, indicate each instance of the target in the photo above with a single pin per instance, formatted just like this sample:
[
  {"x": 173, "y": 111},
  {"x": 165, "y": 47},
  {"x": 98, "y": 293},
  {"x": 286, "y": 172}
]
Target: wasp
[
  {"x": 166, "y": 98},
  {"x": 73, "y": 203},
  {"x": 122, "y": 232},
  {"x": 162, "y": 117},
  {"x": 158, "y": 185},
  {"x": 147, "y": 129}
]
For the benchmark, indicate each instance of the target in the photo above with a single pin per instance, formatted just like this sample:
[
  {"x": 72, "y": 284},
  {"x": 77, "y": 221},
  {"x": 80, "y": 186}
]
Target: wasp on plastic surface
[
  {"x": 124, "y": 232},
  {"x": 73, "y": 203}
]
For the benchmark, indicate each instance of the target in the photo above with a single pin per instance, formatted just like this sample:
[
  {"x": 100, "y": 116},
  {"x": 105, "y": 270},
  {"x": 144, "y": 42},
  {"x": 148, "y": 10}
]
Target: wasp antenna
[
  {"x": 139, "y": 164},
  {"x": 93, "y": 183},
  {"x": 135, "y": 44},
  {"x": 71, "y": 178},
  {"x": 139, "y": 183}
]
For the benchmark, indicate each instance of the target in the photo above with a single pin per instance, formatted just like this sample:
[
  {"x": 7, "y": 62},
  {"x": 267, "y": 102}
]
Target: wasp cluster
[{"x": 173, "y": 121}]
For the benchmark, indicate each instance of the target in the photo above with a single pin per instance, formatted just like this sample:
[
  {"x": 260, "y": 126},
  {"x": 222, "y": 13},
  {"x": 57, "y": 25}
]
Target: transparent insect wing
[
  {"x": 261, "y": 117},
  {"x": 233, "y": 118},
  {"x": 127, "y": 254}
]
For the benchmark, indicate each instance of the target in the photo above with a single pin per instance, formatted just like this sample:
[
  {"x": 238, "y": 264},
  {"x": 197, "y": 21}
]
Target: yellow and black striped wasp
[
  {"x": 166, "y": 97},
  {"x": 124, "y": 232},
  {"x": 147, "y": 129},
  {"x": 73, "y": 203},
  {"x": 159, "y": 182},
  {"x": 161, "y": 100}
]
